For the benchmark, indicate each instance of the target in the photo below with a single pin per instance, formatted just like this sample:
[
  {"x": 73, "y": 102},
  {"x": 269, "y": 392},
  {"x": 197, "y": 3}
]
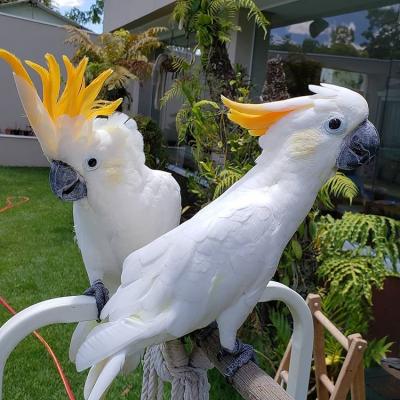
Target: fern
[
  {"x": 124, "y": 52},
  {"x": 352, "y": 278},
  {"x": 338, "y": 186},
  {"x": 214, "y": 18},
  {"x": 376, "y": 350},
  {"x": 80, "y": 39},
  {"x": 181, "y": 11},
  {"x": 180, "y": 64},
  {"x": 227, "y": 178},
  {"x": 356, "y": 253},
  {"x": 280, "y": 322},
  {"x": 254, "y": 12},
  {"x": 174, "y": 91},
  {"x": 375, "y": 235}
]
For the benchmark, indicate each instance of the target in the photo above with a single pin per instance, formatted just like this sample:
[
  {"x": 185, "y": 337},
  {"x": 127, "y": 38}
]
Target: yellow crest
[
  {"x": 76, "y": 99},
  {"x": 258, "y": 118}
]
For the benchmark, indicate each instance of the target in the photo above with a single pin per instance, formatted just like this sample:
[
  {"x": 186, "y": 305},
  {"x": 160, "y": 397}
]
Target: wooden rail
[
  {"x": 251, "y": 382},
  {"x": 351, "y": 375}
]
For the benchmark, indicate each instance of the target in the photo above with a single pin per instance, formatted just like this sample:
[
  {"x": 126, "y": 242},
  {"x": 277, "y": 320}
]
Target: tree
[
  {"x": 93, "y": 15},
  {"x": 342, "y": 35},
  {"x": 383, "y": 33},
  {"x": 212, "y": 22},
  {"x": 124, "y": 52},
  {"x": 342, "y": 39}
]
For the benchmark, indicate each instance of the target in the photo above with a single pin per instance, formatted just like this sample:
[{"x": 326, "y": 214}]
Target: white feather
[
  {"x": 322, "y": 91},
  {"x": 109, "y": 371}
]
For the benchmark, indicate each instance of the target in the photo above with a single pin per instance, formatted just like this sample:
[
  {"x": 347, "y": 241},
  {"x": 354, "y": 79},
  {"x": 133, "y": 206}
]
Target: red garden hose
[{"x": 60, "y": 371}]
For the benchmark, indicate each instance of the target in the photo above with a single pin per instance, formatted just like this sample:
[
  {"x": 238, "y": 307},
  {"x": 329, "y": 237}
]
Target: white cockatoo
[
  {"x": 216, "y": 266},
  {"x": 120, "y": 204}
]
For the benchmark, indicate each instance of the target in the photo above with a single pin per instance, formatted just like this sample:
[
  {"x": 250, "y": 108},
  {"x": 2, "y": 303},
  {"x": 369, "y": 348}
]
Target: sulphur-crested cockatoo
[
  {"x": 119, "y": 203},
  {"x": 215, "y": 267}
]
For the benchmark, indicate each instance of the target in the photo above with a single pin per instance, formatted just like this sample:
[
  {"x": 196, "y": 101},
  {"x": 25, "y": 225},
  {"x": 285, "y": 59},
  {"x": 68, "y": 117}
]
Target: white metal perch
[
  {"x": 302, "y": 337},
  {"x": 54, "y": 311},
  {"x": 83, "y": 308}
]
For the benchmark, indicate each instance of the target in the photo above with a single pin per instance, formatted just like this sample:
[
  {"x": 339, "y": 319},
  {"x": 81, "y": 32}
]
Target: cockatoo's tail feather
[
  {"x": 75, "y": 101},
  {"x": 258, "y": 118}
]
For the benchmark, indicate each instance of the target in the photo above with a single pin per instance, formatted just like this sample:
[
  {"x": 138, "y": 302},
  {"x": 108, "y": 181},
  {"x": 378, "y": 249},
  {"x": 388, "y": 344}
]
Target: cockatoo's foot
[
  {"x": 203, "y": 334},
  {"x": 100, "y": 293},
  {"x": 242, "y": 354}
]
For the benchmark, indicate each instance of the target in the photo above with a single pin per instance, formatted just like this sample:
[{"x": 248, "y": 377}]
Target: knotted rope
[{"x": 169, "y": 362}]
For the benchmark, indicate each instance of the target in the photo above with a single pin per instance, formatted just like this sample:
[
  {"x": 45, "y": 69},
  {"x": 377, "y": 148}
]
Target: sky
[
  {"x": 356, "y": 21},
  {"x": 65, "y": 5}
]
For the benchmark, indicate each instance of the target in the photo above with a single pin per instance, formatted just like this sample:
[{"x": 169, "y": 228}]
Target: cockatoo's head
[
  {"x": 327, "y": 130},
  {"x": 83, "y": 150}
]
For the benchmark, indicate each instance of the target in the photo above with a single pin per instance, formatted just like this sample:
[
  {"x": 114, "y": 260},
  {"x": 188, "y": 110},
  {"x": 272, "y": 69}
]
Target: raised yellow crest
[{"x": 76, "y": 99}]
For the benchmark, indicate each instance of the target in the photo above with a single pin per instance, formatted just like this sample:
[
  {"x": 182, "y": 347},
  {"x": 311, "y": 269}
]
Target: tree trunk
[{"x": 218, "y": 71}]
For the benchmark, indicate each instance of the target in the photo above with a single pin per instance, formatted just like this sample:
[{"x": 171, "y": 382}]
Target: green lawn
[{"x": 40, "y": 260}]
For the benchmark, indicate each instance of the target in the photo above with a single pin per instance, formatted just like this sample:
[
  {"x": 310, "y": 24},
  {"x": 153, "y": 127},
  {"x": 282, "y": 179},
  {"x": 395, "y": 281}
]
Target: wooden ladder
[{"x": 351, "y": 376}]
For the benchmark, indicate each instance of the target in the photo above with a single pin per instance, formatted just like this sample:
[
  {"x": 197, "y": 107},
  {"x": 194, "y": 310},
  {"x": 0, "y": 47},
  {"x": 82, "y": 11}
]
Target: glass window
[{"x": 359, "y": 50}]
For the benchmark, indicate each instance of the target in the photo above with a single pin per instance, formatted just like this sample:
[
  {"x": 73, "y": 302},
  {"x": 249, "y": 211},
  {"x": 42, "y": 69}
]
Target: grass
[{"x": 39, "y": 259}]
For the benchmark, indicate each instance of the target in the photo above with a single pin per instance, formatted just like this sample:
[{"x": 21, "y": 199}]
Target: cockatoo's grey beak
[
  {"x": 66, "y": 183},
  {"x": 359, "y": 147}
]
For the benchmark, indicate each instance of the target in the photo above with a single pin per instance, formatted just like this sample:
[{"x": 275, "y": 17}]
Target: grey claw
[
  {"x": 242, "y": 354},
  {"x": 100, "y": 293}
]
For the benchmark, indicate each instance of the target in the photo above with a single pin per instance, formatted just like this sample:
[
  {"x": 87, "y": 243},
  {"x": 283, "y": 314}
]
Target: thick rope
[{"x": 169, "y": 362}]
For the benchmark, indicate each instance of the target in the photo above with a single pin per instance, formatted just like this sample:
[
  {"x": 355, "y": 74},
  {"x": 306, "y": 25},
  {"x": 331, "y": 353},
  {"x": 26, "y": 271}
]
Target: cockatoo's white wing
[{"x": 183, "y": 280}]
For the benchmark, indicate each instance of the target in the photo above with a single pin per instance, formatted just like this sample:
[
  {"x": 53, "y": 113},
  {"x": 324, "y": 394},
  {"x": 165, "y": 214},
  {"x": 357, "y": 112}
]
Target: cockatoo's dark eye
[
  {"x": 91, "y": 163},
  {"x": 334, "y": 123}
]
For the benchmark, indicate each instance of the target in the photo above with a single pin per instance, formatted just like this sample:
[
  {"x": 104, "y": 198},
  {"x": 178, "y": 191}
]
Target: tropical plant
[
  {"x": 223, "y": 152},
  {"x": 156, "y": 154},
  {"x": 212, "y": 22},
  {"x": 197, "y": 119},
  {"x": 128, "y": 54},
  {"x": 355, "y": 255}
]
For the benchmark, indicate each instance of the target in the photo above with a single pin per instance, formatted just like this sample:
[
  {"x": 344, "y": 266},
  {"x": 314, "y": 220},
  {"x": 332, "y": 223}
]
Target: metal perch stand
[
  {"x": 59, "y": 310},
  {"x": 83, "y": 308}
]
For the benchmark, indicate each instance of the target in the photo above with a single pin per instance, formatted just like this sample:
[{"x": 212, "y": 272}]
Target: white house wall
[
  {"x": 122, "y": 12},
  {"x": 28, "y": 40}
]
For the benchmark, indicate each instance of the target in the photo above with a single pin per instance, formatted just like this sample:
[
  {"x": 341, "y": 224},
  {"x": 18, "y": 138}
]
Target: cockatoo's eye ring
[{"x": 91, "y": 163}]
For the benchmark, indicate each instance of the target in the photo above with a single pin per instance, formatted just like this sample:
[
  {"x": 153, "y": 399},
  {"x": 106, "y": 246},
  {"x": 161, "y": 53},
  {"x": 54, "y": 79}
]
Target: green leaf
[{"x": 297, "y": 250}]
